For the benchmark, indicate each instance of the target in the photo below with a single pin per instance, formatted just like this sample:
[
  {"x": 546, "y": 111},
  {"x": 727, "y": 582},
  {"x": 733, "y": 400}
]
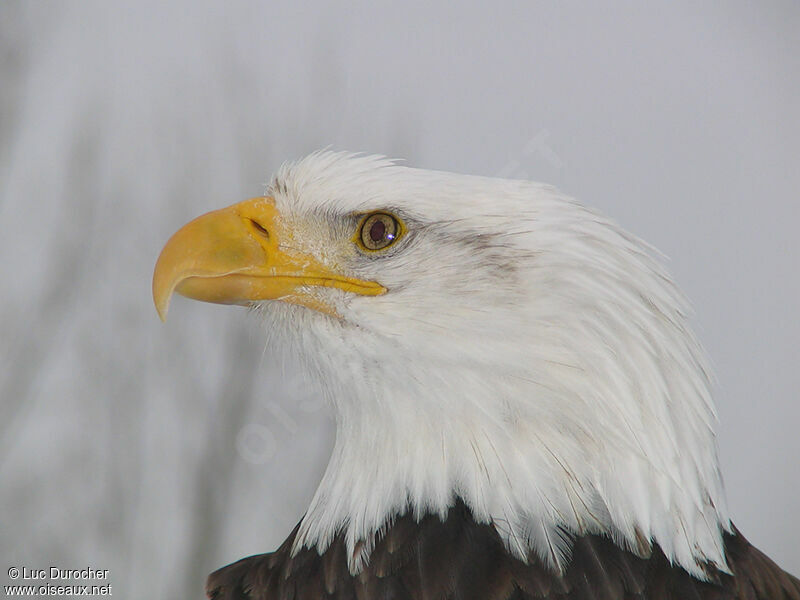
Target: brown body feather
[{"x": 461, "y": 559}]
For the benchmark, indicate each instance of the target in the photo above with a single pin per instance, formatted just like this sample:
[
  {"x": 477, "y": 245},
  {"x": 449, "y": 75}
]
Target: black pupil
[{"x": 377, "y": 231}]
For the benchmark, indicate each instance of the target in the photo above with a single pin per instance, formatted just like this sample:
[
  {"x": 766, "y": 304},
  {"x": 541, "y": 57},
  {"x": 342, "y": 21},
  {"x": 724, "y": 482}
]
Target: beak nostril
[{"x": 260, "y": 228}]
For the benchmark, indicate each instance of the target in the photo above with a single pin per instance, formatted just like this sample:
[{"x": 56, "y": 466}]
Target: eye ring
[{"x": 377, "y": 231}]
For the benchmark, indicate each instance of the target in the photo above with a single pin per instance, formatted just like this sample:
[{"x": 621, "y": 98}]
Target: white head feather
[{"x": 530, "y": 357}]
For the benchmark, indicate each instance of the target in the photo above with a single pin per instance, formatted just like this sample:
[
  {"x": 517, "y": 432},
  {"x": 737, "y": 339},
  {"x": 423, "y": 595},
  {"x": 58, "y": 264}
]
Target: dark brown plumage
[{"x": 461, "y": 559}]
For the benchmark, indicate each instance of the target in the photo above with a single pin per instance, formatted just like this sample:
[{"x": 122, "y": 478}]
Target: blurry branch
[
  {"x": 215, "y": 469},
  {"x": 37, "y": 334},
  {"x": 12, "y": 67}
]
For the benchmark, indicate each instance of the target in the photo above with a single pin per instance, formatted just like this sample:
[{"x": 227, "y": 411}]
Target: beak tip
[
  {"x": 161, "y": 309},
  {"x": 161, "y": 301}
]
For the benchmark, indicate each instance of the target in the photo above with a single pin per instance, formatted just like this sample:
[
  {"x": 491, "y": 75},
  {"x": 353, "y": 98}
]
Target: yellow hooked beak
[{"x": 234, "y": 256}]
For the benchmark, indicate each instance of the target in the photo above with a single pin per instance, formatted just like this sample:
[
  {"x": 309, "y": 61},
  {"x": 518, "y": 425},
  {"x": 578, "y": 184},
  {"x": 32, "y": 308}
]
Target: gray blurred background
[{"x": 161, "y": 452}]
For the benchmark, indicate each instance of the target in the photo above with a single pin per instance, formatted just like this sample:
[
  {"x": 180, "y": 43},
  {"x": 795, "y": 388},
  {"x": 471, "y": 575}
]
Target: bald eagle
[{"x": 522, "y": 410}]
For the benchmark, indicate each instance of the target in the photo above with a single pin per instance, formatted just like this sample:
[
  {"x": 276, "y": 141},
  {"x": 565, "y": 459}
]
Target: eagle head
[{"x": 480, "y": 339}]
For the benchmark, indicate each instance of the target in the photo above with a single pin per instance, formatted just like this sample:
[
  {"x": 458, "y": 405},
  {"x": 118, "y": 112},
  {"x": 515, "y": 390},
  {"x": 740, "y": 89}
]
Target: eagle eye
[{"x": 379, "y": 231}]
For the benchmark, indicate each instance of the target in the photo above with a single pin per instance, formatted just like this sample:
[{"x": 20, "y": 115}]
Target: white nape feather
[{"x": 530, "y": 357}]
